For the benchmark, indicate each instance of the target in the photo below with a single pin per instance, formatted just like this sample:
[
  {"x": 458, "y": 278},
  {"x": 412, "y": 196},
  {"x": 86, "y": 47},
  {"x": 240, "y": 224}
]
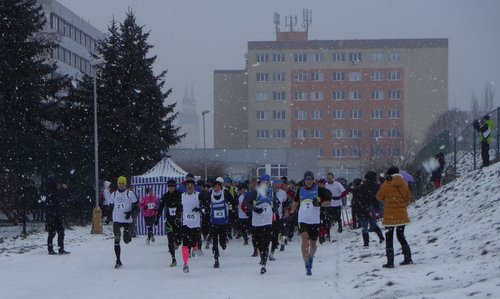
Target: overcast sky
[{"x": 192, "y": 38}]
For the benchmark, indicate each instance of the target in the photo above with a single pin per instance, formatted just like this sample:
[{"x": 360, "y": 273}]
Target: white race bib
[
  {"x": 190, "y": 216},
  {"x": 151, "y": 205},
  {"x": 120, "y": 207},
  {"x": 171, "y": 211}
]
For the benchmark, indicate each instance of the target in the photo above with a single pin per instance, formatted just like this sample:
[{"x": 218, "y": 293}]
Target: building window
[
  {"x": 300, "y": 115},
  {"x": 355, "y": 95},
  {"x": 317, "y": 76},
  {"x": 355, "y": 57},
  {"x": 394, "y": 114},
  {"x": 394, "y": 56},
  {"x": 394, "y": 95},
  {"x": 317, "y": 57},
  {"x": 278, "y": 133},
  {"x": 338, "y": 152},
  {"x": 355, "y": 152},
  {"x": 320, "y": 152},
  {"x": 279, "y": 57},
  {"x": 376, "y": 133},
  {"x": 300, "y": 57},
  {"x": 377, "y": 95},
  {"x": 377, "y": 152},
  {"x": 377, "y": 114},
  {"x": 262, "y": 96},
  {"x": 338, "y": 114},
  {"x": 300, "y": 77},
  {"x": 300, "y": 96},
  {"x": 355, "y": 114},
  {"x": 377, "y": 56},
  {"x": 394, "y": 133},
  {"x": 355, "y": 133},
  {"x": 338, "y": 56},
  {"x": 316, "y": 133},
  {"x": 262, "y": 58},
  {"x": 337, "y": 134},
  {"x": 338, "y": 76},
  {"x": 394, "y": 76},
  {"x": 394, "y": 151},
  {"x": 377, "y": 76},
  {"x": 354, "y": 76},
  {"x": 278, "y": 114},
  {"x": 317, "y": 114},
  {"x": 279, "y": 95},
  {"x": 262, "y": 134},
  {"x": 261, "y": 115},
  {"x": 262, "y": 77},
  {"x": 300, "y": 134},
  {"x": 317, "y": 96},
  {"x": 338, "y": 95},
  {"x": 279, "y": 76}
]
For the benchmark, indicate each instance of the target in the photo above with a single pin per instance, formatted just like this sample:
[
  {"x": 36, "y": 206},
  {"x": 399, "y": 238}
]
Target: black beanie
[{"x": 392, "y": 170}]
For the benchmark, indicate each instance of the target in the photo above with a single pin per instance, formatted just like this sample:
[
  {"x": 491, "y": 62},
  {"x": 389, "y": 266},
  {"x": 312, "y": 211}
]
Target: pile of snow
[{"x": 454, "y": 235}]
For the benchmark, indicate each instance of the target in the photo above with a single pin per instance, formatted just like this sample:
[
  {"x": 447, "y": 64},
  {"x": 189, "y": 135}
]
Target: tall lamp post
[
  {"x": 204, "y": 143},
  {"x": 97, "y": 213}
]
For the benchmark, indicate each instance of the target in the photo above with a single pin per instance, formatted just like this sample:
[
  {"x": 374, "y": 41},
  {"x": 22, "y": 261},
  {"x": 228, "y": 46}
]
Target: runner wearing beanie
[
  {"x": 171, "y": 200},
  {"x": 309, "y": 199},
  {"x": 124, "y": 203}
]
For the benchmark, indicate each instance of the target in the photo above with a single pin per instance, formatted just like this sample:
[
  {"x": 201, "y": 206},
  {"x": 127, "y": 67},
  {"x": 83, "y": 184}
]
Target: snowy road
[{"x": 454, "y": 235}]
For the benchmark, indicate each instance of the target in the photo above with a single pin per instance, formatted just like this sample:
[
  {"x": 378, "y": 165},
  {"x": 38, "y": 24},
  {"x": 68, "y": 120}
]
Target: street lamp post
[
  {"x": 97, "y": 213},
  {"x": 204, "y": 143}
]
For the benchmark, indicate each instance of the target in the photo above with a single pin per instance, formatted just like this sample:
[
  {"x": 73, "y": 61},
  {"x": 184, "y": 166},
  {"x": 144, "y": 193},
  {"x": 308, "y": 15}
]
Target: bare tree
[{"x": 488, "y": 97}]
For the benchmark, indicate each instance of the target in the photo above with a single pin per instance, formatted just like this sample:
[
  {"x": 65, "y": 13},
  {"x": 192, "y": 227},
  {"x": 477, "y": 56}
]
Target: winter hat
[
  {"x": 228, "y": 180},
  {"x": 308, "y": 173},
  {"x": 219, "y": 179},
  {"x": 371, "y": 176},
  {"x": 171, "y": 183},
  {"x": 217, "y": 183},
  {"x": 189, "y": 180},
  {"x": 264, "y": 177},
  {"x": 487, "y": 116},
  {"x": 122, "y": 180},
  {"x": 392, "y": 170}
]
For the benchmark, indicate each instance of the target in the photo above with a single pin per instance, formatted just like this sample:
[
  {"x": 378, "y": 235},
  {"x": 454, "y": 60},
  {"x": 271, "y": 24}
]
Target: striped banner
[{"x": 159, "y": 186}]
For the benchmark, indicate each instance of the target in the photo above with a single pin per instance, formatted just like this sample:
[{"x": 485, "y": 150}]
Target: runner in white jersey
[
  {"x": 190, "y": 210},
  {"x": 308, "y": 200},
  {"x": 243, "y": 218},
  {"x": 123, "y": 202},
  {"x": 279, "y": 204},
  {"x": 260, "y": 202},
  {"x": 335, "y": 211}
]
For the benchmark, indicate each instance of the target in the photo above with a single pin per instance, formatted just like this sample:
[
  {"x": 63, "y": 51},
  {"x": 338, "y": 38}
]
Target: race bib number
[
  {"x": 120, "y": 206},
  {"x": 307, "y": 204},
  {"x": 151, "y": 206},
  {"x": 190, "y": 216},
  {"x": 266, "y": 210},
  {"x": 219, "y": 214},
  {"x": 171, "y": 211}
]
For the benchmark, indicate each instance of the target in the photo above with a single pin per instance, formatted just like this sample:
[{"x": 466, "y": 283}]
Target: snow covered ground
[{"x": 454, "y": 235}]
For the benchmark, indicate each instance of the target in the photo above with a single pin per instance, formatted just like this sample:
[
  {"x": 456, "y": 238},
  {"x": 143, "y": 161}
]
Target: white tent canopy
[{"x": 156, "y": 179}]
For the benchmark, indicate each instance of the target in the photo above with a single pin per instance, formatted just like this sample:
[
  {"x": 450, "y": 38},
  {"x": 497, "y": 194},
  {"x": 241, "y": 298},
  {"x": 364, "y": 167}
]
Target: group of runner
[{"x": 268, "y": 210}]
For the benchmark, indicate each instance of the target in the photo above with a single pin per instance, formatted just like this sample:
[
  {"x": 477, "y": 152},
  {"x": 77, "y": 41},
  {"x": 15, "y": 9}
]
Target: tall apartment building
[
  {"x": 351, "y": 100},
  {"x": 75, "y": 39}
]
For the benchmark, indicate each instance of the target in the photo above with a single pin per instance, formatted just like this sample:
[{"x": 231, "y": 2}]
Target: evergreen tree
[
  {"x": 135, "y": 126},
  {"x": 28, "y": 89}
]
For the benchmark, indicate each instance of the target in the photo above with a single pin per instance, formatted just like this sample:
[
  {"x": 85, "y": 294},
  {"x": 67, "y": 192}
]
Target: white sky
[{"x": 192, "y": 38}]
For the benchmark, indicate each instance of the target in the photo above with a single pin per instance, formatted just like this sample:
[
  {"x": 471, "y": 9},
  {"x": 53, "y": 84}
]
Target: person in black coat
[
  {"x": 367, "y": 206},
  {"x": 437, "y": 174},
  {"x": 57, "y": 193}
]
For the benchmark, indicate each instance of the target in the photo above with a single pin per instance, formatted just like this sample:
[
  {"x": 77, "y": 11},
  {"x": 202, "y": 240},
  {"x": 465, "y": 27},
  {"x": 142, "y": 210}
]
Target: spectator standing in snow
[
  {"x": 338, "y": 192},
  {"x": 395, "y": 194},
  {"x": 149, "y": 208},
  {"x": 124, "y": 203},
  {"x": 437, "y": 174},
  {"x": 244, "y": 219},
  {"x": 484, "y": 126},
  {"x": 367, "y": 207},
  {"x": 308, "y": 200},
  {"x": 57, "y": 193},
  {"x": 279, "y": 209},
  {"x": 171, "y": 200}
]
